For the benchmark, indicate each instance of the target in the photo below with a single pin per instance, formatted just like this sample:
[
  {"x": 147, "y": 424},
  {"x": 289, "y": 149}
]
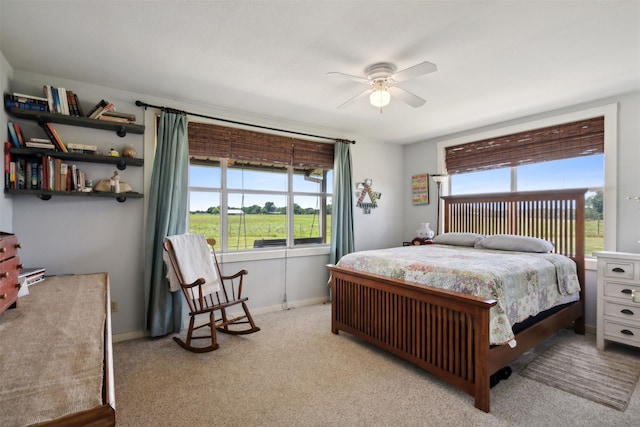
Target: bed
[
  {"x": 57, "y": 356},
  {"x": 447, "y": 332}
]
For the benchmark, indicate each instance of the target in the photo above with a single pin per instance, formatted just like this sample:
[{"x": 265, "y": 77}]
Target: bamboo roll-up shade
[
  {"x": 558, "y": 142},
  {"x": 214, "y": 142}
]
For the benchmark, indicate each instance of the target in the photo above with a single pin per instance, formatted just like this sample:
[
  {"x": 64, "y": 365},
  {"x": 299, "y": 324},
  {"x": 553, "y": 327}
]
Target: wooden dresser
[
  {"x": 9, "y": 270},
  {"x": 618, "y": 302}
]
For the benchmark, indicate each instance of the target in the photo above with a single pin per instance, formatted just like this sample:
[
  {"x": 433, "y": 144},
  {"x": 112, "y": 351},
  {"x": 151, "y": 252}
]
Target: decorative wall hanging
[
  {"x": 420, "y": 189},
  {"x": 364, "y": 190}
]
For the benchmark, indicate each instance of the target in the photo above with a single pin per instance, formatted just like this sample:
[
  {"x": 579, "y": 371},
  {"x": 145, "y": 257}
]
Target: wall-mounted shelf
[
  {"x": 121, "y": 129},
  {"x": 120, "y": 162},
  {"x": 46, "y": 195}
]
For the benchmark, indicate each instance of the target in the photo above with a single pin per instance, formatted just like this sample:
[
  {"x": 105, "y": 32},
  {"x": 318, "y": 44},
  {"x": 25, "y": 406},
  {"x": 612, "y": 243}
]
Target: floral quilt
[{"x": 522, "y": 283}]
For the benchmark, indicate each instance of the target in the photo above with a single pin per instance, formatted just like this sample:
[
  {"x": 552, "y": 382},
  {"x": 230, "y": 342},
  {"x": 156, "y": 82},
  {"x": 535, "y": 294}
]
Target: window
[
  {"x": 248, "y": 194},
  {"x": 569, "y": 155}
]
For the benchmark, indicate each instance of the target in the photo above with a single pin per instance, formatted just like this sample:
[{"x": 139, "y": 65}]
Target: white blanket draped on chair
[{"x": 194, "y": 260}]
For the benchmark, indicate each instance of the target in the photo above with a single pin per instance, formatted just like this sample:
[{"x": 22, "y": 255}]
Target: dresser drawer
[
  {"x": 622, "y": 332},
  {"x": 620, "y": 290},
  {"x": 626, "y": 312},
  {"x": 8, "y": 246},
  {"x": 9, "y": 285},
  {"x": 619, "y": 269}
]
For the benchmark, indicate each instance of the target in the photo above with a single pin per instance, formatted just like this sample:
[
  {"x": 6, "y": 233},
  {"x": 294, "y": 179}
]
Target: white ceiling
[{"x": 497, "y": 60}]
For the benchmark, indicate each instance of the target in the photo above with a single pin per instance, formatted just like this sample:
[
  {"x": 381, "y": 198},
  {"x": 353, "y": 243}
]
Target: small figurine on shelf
[
  {"x": 114, "y": 182},
  {"x": 128, "y": 151}
]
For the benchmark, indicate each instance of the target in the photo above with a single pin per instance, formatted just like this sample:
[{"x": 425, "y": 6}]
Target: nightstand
[{"x": 618, "y": 300}]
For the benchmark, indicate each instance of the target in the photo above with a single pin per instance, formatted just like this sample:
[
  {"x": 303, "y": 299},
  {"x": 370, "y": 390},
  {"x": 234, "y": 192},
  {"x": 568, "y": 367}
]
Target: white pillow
[
  {"x": 458, "y": 239},
  {"x": 510, "y": 242}
]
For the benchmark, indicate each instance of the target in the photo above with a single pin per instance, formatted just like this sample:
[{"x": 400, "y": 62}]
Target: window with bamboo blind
[
  {"x": 568, "y": 155},
  {"x": 244, "y": 185}
]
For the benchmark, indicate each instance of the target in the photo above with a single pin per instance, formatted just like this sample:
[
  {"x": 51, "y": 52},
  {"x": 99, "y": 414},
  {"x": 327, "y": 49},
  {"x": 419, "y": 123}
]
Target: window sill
[{"x": 258, "y": 255}]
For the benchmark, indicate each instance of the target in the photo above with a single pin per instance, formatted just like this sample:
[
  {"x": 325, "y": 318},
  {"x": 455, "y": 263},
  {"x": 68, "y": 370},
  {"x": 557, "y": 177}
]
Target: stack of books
[
  {"x": 62, "y": 101},
  {"x": 28, "y": 277},
  {"x": 105, "y": 110},
  {"x": 25, "y": 102}
]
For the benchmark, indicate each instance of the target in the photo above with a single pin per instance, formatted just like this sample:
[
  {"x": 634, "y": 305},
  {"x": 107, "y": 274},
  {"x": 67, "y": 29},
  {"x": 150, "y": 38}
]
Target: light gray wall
[
  {"x": 6, "y": 203},
  {"x": 68, "y": 235},
  {"x": 421, "y": 157}
]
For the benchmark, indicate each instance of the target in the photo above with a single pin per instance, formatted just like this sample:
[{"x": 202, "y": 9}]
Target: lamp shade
[{"x": 380, "y": 98}]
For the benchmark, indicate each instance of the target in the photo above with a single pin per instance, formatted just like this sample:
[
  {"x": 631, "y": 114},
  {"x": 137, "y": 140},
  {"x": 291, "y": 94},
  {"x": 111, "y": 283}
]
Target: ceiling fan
[{"x": 381, "y": 78}]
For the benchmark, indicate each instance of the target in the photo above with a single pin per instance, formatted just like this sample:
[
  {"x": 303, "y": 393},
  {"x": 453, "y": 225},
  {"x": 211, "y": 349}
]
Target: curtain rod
[{"x": 145, "y": 105}]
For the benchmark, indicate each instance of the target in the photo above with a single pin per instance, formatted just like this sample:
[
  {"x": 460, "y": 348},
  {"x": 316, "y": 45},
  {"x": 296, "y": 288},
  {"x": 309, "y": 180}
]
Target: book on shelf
[
  {"x": 82, "y": 148},
  {"x": 64, "y": 170},
  {"x": 55, "y": 138},
  {"x": 28, "y": 98},
  {"x": 112, "y": 115},
  {"x": 77, "y": 105},
  {"x": 35, "y": 175},
  {"x": 12, "y": 135},
  {"x": 49, "y": 95},
  {"x": 46, "y": 145},
  {"x": 7, "y": 165},
  {"x": 114, "y": 119},
  {"x": 105, "y": 109},
  {"x": 57, "y": 99},
  {"x": 20, "y": 173},
  {"x": 25, "y": 102},
  {"x": 74, "y": 105},
  {"x": 93, "y": 113},
  {"x": 16, "y": 126}
]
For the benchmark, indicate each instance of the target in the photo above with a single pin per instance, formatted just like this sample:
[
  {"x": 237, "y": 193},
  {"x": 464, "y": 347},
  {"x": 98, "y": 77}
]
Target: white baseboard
[{"x": 257, "y": 311}]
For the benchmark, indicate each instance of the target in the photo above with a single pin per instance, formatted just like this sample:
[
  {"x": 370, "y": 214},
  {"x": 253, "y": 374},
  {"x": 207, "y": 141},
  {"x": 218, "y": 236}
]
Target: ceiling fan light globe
[{"x": 380, "y": 98}]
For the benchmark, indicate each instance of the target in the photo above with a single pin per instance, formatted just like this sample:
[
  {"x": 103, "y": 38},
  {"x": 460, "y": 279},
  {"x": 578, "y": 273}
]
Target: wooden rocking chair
[{"x": 197, "y": 272}]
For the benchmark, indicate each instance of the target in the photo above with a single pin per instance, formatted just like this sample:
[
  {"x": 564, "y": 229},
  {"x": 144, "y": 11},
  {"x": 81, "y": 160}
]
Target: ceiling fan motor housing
[{"x": 380, "y": 70}]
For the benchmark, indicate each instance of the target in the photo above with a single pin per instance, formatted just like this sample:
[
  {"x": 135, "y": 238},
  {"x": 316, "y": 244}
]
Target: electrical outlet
[{"x": 114, "y": 306}]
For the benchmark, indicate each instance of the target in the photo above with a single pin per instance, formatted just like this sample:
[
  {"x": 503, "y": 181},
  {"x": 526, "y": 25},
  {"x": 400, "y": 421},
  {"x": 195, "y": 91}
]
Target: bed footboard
[{"x": 445, "y": 333}]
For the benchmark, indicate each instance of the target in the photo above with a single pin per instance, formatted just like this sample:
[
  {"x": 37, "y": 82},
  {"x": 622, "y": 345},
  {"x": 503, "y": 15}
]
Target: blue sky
[
  {"x": 581, "y": 172},
  {"x": 238, "y": 178}
]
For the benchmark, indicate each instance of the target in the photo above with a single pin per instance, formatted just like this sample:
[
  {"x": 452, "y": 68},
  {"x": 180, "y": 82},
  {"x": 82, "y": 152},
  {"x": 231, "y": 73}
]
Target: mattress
[{"x": 524, "y": 284}]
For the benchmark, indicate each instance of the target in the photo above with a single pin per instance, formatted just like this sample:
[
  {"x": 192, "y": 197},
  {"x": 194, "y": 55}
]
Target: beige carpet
[
  {"x": 295, "y": 372},
  {"x": 605, "y": 377}
]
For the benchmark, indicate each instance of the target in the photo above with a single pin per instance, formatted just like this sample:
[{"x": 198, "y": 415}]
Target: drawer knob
[
  {"x": 3, "y": 296},
  {"x": 627, "y": 291},
  {"x": 618, "y": 270},
  {"x": 4, "y": 275},
  {"x": 18, "y": 246},
  {"x": 626, "y": 311},
  {"x": 626, "y": 332},
  {"x": 3, "y": 250}
]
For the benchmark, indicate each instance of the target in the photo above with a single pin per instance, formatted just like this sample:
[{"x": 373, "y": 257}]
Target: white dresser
[{"x": 618, "y": 302}]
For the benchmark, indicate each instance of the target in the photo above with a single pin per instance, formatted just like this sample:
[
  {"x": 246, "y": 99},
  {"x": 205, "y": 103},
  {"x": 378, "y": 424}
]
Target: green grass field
[{"x": 243, "y": 230}]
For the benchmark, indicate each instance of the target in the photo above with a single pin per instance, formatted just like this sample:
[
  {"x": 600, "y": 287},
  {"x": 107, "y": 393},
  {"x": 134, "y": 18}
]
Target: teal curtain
[
  {"x": 342, "y": 239},
  {"x": 166, "y": 215}
]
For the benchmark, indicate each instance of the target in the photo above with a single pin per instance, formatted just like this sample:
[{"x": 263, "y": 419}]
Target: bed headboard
[{"x": 557, "y": 216}]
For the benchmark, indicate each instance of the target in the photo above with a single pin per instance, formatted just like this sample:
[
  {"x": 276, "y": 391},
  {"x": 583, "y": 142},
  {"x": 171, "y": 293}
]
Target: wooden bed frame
[{"x": 447, "y": 333}]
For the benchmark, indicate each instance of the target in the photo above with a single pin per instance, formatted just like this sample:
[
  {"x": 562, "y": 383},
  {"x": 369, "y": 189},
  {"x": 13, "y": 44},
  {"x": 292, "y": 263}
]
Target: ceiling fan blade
[
  {"x": 415, "y": 71},
  {"x": 355, "y": 98},
  {"x": 406, "y": 96},
  {"x": 348, "y": 76}
]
